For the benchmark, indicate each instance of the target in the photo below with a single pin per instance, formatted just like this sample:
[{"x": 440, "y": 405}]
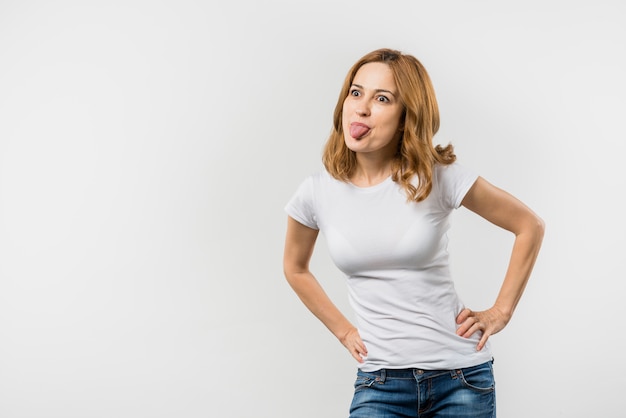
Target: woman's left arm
[{"x": 505, "y": 211}]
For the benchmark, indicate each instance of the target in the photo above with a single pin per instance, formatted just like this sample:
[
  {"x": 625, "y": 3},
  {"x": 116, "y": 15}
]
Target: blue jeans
[{"x": 417, "y": 393}]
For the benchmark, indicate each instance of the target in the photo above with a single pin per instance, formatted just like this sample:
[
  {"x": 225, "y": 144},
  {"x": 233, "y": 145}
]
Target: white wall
[{"x": 147, "y": 149}]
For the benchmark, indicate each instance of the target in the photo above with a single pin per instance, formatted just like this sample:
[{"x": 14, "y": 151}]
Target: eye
[
  {"x": 382, "y": 99},
  {"x": 355, "y": 93}
]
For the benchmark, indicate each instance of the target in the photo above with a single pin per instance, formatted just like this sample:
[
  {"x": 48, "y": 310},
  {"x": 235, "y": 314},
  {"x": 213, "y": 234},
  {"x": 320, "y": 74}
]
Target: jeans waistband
[
  {"x": 382, "y": 374},
  {"x": 406, "y": 373}
]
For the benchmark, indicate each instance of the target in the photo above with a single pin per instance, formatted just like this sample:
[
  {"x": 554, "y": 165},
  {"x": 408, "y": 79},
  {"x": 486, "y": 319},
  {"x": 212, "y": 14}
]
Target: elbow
[
  {"x": 540, "y": 226},
  {"x": 537, "y": 229},
  {"x": 287, "y": 272},
  {"x": 298, "y": 276},
  {"x": 291, "y": 274},
  {"x": 532, "y": 229}
]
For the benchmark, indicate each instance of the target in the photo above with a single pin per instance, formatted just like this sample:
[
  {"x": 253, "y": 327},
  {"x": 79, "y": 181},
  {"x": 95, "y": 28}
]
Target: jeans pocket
[
  {"x": 478, "y": 378},
  {"x": 364, "y": 381}
]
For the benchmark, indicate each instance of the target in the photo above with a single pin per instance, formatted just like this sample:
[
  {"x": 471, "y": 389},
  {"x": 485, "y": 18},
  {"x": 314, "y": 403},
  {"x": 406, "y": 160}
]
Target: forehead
[{"x": 375, "y": 75}]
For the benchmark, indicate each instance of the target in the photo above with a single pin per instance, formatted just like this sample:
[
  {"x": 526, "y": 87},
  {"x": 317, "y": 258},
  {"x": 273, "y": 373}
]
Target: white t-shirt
[{"x": 394, "y": 254}]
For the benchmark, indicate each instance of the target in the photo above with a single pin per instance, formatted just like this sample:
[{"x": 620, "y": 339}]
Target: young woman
[{"x": 383, "y": 203}]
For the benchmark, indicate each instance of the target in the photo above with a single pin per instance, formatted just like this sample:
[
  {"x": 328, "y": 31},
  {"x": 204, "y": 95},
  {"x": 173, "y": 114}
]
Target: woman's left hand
[{"x": 487, "y": 322}]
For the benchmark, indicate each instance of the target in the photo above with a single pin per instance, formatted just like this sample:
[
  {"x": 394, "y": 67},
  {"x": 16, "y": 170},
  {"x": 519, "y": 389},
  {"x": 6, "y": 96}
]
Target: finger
[
  {"x": 463, "y": 315},
  {"x": 362, "y": 351},
  {"x": 482, "y": 341},
  {"x": 476, "y": 327},
  {"x": 361, "y": 347},
  {"x": 466, "y": 326},
  {"x": 462, "y": 329},
  {"x": 357, "y": 355},
  {"x": 358, "y": 350}
]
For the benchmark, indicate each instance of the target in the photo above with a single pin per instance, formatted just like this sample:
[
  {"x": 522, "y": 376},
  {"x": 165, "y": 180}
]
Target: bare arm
[
  {"x": 299, "y": 244},
  {"x": 505, "y": 211}
]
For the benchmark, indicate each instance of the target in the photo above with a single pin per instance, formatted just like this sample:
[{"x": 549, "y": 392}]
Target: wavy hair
[{"x": 416, "y": 154}]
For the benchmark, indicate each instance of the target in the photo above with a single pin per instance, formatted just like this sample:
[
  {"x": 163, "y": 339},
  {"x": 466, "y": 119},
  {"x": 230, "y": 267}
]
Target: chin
[{"x": 352, "y": 144}]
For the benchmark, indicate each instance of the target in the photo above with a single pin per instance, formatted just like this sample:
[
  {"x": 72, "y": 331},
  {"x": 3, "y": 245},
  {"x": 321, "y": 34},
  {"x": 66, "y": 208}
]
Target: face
[{"x": 372, "y": 111}]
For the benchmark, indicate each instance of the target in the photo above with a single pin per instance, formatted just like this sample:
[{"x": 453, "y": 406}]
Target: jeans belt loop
[{"x": 383, "y": 375}]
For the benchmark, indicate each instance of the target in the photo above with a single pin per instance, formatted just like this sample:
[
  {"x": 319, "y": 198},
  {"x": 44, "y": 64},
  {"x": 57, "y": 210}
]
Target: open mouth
[{"x": 358, "y": 130}]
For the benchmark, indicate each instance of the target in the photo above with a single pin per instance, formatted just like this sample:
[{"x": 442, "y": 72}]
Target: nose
[{"x": 362, "y": 109}]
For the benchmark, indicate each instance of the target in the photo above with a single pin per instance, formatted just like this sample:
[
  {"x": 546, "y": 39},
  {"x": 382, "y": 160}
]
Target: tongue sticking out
[{"x": 358, "y": 130}]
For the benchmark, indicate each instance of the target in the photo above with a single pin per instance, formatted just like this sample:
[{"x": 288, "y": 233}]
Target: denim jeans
[{"x": 417, "y": 393}]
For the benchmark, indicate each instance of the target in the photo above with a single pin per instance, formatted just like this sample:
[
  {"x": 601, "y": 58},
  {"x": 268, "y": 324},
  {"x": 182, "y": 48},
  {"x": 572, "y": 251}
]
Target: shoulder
[
  {"x": 453, "y": 171},
  {"x": 312, "y": 184},
  {"x": 320, "y": 178},
  {"x": 451, "y": 182}
]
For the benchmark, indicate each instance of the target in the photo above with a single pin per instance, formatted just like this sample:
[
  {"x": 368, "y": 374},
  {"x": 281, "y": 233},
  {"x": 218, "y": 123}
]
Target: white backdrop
[{"x": 147, "y": 149}]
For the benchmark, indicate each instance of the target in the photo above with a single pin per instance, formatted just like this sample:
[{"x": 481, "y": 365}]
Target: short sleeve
[
  {"x": 453, "y": 183},
  {"x": 301, "y": 206}
]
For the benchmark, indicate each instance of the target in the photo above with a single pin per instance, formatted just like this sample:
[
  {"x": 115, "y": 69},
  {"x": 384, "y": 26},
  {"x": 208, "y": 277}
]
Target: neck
[{"x": 371, "y": 171}]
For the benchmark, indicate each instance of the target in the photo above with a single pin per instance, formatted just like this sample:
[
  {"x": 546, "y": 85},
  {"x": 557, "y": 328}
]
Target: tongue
[{"x": 358, "y": 131}]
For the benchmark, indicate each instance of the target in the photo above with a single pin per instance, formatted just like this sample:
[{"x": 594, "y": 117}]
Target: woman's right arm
[{"x": 299, "y": 244}]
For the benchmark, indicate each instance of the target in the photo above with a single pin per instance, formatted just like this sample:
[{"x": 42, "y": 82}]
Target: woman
[{"x": 383, "y": 203}]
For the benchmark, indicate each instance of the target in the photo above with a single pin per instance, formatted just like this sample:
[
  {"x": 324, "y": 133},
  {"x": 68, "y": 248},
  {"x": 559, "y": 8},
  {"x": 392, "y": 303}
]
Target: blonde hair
[{"x": 416, "y": 154}]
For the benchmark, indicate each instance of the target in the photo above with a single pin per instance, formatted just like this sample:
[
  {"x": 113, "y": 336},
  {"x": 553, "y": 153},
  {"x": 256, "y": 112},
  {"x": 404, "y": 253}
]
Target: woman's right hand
[{"x": 352, "y": 341}]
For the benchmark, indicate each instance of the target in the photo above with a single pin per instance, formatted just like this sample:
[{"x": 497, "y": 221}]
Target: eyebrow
[{"x": 377, "y": 90}]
